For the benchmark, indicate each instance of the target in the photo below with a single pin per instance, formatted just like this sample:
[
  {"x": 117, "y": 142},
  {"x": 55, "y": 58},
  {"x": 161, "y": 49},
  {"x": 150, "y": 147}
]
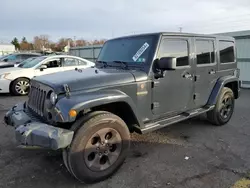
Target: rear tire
[
  {"x": 20, "y": 87},
  {"x": 98, "y": 149},
  {"x": 224, "y": 108}
]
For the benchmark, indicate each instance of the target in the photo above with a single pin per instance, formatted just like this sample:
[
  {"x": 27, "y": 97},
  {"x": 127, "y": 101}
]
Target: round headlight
[{"x": 53, "y": 98}]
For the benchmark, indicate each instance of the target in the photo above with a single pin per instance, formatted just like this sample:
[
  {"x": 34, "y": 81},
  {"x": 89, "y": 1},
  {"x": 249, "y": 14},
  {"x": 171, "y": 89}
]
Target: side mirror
[
  {"x": 43, "y": 67},
  {"x": 167, "y": 63},
  {"x": 5, "y": 60}
]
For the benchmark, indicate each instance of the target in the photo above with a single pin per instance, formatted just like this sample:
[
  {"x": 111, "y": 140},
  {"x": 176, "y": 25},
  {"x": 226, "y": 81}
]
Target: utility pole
[
  {"x": 75, "y": 41},
  {"x": 180, "y": 29}
]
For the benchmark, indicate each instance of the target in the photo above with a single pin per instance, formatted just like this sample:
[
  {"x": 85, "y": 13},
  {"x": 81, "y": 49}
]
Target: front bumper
[
  {"x": 31, "y": 132},
  {"x": 4, "y": 86}
]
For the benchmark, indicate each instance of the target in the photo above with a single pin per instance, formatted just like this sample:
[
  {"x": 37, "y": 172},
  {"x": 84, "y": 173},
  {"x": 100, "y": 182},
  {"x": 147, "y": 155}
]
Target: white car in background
[{"x": 15, "y": 80}]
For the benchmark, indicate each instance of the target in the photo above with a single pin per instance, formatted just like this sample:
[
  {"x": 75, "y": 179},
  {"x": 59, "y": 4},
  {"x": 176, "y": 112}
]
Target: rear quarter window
[{"x": 227, "y": 54}]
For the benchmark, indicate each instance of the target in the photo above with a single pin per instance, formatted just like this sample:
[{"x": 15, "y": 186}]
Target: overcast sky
[{"x": 95, "y": 19}]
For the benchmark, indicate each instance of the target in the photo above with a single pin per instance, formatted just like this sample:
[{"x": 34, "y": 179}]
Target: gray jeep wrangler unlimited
[{"x": 140, "y": 83}]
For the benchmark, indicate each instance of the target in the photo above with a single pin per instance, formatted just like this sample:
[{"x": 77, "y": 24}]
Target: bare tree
[
  {"x": 64, "y": 42},
  {"x": 81, "y": 42},
  {"x": 45, "y": 40},
  {"x": 97, "y": 42},
  {"x": 41, "y": 42},
  {"x": 25, "y": 45}
]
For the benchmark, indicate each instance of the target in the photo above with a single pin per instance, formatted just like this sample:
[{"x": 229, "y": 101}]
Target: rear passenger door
[
  {"x": 70, "y": 63},
  {"x": 205, "y": 71}
]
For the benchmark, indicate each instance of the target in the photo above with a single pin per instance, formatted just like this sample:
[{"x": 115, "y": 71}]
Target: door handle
[
  {"x": 187, "y": 75},
  {"x": 212, "y": 72}
]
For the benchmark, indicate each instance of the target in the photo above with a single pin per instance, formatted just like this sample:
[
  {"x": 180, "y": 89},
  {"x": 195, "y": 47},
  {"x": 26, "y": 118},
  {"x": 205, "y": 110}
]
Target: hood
[
  {"x": 9, "y": 69},
  {"x": 90, "y": 78}
]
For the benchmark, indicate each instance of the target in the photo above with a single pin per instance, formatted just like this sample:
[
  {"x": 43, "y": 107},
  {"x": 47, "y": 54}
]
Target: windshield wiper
[
  {"x": 125, "y": 64},
  {"x": 104, "y": 63}
]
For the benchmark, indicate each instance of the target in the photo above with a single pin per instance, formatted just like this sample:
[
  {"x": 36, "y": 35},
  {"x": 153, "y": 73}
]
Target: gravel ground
[{"x": 189, "y": 154}]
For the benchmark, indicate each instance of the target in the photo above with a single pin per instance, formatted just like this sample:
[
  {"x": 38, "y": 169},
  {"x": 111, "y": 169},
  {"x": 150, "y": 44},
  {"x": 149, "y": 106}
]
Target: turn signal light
[{"x": 72, "y": 113}]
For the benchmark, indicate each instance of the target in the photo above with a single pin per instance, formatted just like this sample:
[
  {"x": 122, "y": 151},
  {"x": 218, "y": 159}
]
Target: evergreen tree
[
  {"x": 15, "y": 43},
  {"x": 24, "y": 40}
]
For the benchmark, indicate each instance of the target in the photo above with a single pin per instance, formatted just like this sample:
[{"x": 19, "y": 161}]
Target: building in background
[
  {"x": 6, "y": 49},
  {"x": 242, "y": 39}
]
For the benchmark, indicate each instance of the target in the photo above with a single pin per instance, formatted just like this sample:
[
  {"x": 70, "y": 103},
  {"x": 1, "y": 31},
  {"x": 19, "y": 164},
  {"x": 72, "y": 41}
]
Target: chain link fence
[{"x": 87, "y": 52}]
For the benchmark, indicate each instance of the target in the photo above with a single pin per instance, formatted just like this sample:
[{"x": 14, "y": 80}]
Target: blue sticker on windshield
[{"x": 140, "y": 51}]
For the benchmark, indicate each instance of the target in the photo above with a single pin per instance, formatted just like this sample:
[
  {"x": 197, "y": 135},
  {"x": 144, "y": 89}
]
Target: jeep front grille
[{"x": 36, "y": 99}]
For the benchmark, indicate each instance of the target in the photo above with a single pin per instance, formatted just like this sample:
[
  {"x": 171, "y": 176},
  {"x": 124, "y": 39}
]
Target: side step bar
[{"x": 175, "y": 119}]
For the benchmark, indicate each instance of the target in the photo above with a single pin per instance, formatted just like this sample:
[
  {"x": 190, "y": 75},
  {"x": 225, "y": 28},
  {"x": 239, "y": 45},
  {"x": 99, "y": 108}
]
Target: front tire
[
  {"x": 224, "y": 108},
  {"x": 20, "y": 87},
  {"x": 98, "y": 149}
]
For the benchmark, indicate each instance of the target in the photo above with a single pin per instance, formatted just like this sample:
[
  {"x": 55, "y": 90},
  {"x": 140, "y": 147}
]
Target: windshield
[
  {"x": 25, "y": 61},
  {"x": 132, "y": 50},
  {"x": 31, "y": 63}
]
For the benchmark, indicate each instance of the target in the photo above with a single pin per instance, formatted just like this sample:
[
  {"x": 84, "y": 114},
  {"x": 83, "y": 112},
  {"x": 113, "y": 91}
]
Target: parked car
[
  {"x": 16, "y": 58},
  {"x": 16, "y": 79},
  {"x": 2, "y": 56},
  {"x": 140, "y": 83}
]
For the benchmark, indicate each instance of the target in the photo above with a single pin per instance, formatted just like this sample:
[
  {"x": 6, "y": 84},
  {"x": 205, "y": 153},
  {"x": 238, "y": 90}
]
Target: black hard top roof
[{"x": 221, "y": 37}]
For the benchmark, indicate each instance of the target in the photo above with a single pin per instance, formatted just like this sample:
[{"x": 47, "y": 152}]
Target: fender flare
[
  {"x": 221, "y": 82},
  {"x": 83, "y": 101}
]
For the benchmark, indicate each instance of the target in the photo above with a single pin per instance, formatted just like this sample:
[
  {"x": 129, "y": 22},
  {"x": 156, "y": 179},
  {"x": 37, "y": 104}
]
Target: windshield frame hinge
[{"x": 66, "y": 89}]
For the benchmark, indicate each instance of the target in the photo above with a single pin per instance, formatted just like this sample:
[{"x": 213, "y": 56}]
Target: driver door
[
  {"x": 173, "y": 92},
  {"x": 53, "y": 66}
]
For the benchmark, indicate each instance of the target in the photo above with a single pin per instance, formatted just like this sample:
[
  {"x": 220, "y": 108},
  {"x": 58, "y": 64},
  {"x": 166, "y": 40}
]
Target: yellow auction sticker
[{"x": 242, "y": 183}]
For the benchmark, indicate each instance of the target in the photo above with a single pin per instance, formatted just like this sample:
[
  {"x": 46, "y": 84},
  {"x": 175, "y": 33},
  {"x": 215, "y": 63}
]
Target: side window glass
[
  {"x": 70, "y": 62},
  {"x": 82, "y": 62},
  {"x": 226, "y": 51},
  {"x": 177, "y": 48},
  {"x": 54, "y": 63},
  {"x": 205, "y": 51}
]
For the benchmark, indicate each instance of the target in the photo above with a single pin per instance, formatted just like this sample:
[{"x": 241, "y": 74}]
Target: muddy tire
[
  {"x": 224, "y": 108},
  {"x": 99, "y": 147},
  {"x": 20, "y": 86}
]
